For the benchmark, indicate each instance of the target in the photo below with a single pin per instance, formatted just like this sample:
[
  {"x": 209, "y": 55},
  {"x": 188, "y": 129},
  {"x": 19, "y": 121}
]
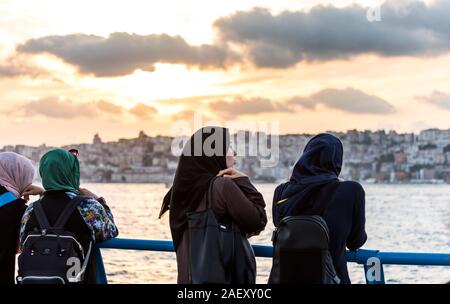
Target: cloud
[
  {"x": 13, "y": 67},
  {"x": 123, "y": 53},
  {"x": 190, "y": 115},
  {"x": 439, "y": 99},
  {"x": 109, "y": 107},
  {"x": 248, "y": 80},
  {"x": 143, "y": 111},
  {"x": 348, "y": 100},
  {"x": 410, "y": 28},
  {"x": 53, "y": 107},
  {"x": 247, "y": 106},
  {"x": 187, "y": 101},
  {"x": 183, "y": 115},
  {"x": 324, "y": 32}
]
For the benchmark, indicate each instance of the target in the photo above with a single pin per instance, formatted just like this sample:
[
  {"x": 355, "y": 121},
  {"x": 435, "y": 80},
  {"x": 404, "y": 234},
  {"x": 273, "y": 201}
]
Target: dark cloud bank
[
  {"x": 265, "y": 39},
  {"x": 347, "y": 100}
]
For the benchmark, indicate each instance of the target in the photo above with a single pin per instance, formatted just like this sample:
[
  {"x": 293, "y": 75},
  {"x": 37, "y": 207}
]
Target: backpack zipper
[
  {"x": 40, "y": 278},
  {"x": 57, "y": 236}
]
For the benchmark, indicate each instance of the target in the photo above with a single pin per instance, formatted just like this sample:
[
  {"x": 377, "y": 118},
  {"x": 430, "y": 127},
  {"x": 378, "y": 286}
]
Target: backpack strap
[
  {"x": 41, "y": 218},
  {"x": 67, "y": 212},
  {"x": 7, "y": 198},
  {"x": 209, "y": 194}
]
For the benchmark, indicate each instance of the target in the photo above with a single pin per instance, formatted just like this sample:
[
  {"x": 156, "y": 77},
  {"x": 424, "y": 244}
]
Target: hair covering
[
  {"x": 60, "y": 170},
  {"x": 321, "y": 160},
  {"x": 319, "y": 165},
  {"x": 203, "y": 156},
  {"x": 16, "y": 172}
]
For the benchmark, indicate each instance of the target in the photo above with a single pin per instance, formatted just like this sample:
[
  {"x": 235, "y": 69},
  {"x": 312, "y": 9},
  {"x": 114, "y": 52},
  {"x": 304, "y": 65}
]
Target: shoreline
[{"x": 276, "y": 182}]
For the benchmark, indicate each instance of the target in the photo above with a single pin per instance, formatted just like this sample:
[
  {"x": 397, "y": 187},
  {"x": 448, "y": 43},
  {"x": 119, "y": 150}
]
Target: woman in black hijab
[
  {"x": 194, "y": 173},
  {"x": 314, "y": 183},
  {"x": 205, "y": 156}
]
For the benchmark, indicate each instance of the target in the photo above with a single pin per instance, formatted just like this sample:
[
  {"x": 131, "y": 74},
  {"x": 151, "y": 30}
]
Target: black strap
[
  {"x": 41, "y": 218},
  {"x": 166, "y": 203},
  {"x": 210, "y": 190},
  {"x": 67, "y": 213}
]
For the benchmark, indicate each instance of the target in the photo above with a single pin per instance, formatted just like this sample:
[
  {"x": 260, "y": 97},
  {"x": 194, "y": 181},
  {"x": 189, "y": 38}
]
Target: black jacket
[
  {"x": 10, "y": 216},
  {"x": 345, "y": 217}
]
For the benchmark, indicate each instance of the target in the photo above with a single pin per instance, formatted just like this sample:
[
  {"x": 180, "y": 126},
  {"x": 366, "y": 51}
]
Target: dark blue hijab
[{"x": 319, "y": 165}]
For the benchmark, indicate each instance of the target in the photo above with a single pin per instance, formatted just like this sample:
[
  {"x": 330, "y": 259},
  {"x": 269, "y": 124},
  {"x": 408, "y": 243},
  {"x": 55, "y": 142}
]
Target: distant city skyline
[
  {"x": 132, "y": 136},
  {"x": 368, "y": 156}
]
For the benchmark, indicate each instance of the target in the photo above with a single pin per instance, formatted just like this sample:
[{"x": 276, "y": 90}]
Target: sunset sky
[{"x": 70, "y": 69}]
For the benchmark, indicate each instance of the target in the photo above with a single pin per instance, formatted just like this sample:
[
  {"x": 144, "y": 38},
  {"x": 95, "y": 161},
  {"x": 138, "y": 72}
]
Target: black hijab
[
  {"x": 319, "y": 165},
  {"x": 203, "y": 156}
]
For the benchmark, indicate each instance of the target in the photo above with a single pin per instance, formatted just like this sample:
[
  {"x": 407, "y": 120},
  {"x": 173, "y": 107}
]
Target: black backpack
[
  {"x": 300, "y": 250},
  {"x": 51, "y": 254}
]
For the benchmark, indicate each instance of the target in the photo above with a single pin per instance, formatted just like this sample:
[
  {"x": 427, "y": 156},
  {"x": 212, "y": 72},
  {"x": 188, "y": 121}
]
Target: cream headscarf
[{"x": 16, "y": 172}]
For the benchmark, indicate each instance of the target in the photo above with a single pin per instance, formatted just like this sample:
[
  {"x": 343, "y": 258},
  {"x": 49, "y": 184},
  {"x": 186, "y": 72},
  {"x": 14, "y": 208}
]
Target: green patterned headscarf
[{"x": 60, "y": 170}]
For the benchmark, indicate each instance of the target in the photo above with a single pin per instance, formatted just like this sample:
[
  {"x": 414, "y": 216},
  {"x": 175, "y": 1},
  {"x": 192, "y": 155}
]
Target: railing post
[{"x": 100, "y": 267}]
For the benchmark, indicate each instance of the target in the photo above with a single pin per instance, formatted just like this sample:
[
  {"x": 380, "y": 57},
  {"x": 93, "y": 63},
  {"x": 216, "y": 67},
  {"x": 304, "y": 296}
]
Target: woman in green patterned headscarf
[{"x": 60, "y": 170}]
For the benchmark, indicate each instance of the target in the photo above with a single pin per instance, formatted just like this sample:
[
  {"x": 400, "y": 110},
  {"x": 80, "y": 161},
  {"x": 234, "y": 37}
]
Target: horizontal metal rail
[{"x": 372, "y": 260}]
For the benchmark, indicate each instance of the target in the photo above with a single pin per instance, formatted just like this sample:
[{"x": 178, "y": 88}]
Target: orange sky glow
[{"x": 115, "y": 68}]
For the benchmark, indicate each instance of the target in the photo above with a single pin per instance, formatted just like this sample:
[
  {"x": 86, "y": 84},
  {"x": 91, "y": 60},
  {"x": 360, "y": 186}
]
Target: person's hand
[
  {"x": 231, "y": 173},
  {"x": 32, "y": 190},
  {"x": 87, "y": 193}
]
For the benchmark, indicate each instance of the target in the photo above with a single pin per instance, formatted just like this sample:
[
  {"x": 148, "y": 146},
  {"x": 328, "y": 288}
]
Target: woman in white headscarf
[{"x": 16, "y": 177}]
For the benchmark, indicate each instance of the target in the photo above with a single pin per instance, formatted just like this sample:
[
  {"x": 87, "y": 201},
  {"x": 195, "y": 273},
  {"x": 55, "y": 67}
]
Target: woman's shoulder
[
  {"x": 21, "y": 202},
  {"x": 17, "y": 206},
  {"x": 281, "y": 186},
  {"x": 221, "y": 183},
  {"x": 351, "y": 186}
]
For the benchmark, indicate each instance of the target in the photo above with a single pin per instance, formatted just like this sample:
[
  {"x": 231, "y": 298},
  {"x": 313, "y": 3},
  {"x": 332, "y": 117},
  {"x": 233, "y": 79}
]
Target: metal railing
[{"x": 372, "y": 260}]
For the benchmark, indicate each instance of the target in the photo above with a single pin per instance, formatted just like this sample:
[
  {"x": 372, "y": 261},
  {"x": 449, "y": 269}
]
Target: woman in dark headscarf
[
  {"x": 194, "y": 173},
  {"x": 314, "y": 183},
  {"x": 206, "y": 155}
]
